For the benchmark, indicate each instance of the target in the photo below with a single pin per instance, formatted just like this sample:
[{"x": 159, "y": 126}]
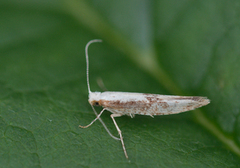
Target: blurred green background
[{"x": 162, "y": 47}]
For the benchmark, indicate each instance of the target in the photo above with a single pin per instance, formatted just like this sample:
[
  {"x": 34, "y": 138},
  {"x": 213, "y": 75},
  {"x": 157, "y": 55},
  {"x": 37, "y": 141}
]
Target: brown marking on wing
[
  {"x": 194, "y": 98},
  {"x": 151, "y": 103},
  {"x": 129, "y": 107},
  {"x": 164, "y": 105},
  {"x": 153, "y": 99},
  {"x": 123, "y": 105}
]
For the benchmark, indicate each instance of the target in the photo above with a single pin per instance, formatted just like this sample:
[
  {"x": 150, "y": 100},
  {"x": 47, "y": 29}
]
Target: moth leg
[
  {"x": 116, "y": 138},
  {"x": 151, "y": 115},
  {"x": 98, "y": 116},
  {"x": 119, "y": 131},
  {"x": 131, "y": 115}
]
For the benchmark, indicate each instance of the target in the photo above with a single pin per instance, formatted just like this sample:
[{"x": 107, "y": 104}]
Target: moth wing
[{"x": 149, "y": 104}]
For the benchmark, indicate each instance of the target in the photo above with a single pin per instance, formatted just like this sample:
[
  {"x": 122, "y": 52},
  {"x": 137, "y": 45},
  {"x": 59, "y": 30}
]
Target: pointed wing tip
[
  {"x": 203, "y": 101},
  {"x": 206, "y": 100}
]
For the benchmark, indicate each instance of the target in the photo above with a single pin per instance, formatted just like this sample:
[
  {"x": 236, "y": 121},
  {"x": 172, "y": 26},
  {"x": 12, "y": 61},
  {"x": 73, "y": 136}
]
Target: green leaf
[{"x": 161, "y": 47}]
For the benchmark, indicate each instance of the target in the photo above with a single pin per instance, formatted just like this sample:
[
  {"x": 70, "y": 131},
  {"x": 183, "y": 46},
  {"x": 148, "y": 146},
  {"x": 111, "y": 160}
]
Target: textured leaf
[{"x": 161, "y": 47}]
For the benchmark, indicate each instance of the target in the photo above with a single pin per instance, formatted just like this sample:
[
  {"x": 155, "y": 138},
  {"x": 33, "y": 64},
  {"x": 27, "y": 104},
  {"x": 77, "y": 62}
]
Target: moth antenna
[
  {"x": 87, "y": 61},
  {"x": 89, "y": 90},
  {"x": 101, "y": 84}
]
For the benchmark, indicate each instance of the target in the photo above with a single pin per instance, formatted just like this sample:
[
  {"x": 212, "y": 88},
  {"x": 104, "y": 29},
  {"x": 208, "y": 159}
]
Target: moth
[{"x": 128, "y": 103}]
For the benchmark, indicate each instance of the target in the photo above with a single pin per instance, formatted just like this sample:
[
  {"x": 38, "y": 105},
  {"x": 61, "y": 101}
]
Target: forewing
[{"x": 149, "y": 104}]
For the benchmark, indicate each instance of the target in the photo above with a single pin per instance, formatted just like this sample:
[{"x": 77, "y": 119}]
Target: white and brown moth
[{"x": 127, "y": 103}]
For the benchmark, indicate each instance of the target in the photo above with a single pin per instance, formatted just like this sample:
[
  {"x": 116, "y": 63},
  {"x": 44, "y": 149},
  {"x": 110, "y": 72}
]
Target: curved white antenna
[
  {"x": 87, "y": 62},
  {"x": 89, "y": 90}
]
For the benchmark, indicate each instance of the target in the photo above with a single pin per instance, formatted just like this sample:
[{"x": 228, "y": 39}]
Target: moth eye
[{"x": 96, "y": 104}]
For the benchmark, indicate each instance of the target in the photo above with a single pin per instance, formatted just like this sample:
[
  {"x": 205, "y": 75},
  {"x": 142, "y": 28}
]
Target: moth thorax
[{"x": 94, "y": 98}]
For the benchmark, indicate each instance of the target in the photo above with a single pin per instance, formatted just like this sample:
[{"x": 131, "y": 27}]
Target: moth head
[{"x": 94, "y": 98}]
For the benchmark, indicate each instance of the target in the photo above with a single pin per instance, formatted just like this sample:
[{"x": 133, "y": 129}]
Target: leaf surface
[{"x": 162, "y": 47}]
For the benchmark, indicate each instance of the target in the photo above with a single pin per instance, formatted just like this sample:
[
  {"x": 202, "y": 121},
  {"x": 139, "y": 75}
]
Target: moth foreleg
[{"x": 98, "y": 116}]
